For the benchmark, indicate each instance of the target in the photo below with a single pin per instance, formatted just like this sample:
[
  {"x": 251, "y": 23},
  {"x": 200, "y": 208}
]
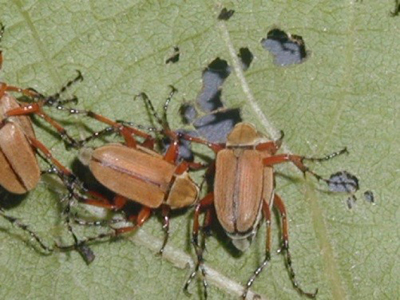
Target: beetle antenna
[
  {"x": 163, "y": 121},
  {"x": 150, "y": 106},
  {"x": 166, "y": 105}
]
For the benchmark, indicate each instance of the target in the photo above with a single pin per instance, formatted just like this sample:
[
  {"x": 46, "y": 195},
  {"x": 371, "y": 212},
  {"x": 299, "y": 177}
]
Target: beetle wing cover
[
  {"x": 19, "y": 169},
  {"x": 132, "y": 173},
  {"x": 238, "y": 189},
  {"x": 7, "y": 103}
]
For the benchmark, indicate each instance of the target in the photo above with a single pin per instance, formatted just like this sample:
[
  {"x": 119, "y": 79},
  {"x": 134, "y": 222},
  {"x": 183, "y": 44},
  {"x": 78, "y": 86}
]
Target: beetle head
[{"x": 85, "y": 155}]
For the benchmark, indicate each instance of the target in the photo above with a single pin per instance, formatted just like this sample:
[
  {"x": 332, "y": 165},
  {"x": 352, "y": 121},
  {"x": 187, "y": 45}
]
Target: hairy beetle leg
[
  {"x": 25, "y": 227},
  {"x": 267, "y": 215},
  {"x": 204, "y": 205},
  {"x": 280, "y": 206}
]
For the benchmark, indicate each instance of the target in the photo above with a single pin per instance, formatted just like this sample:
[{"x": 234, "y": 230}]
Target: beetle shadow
[
  {"x": 292, "y": 178},
  {"x": 131, "y": 208},
  {"x": 9, "y": 200}
]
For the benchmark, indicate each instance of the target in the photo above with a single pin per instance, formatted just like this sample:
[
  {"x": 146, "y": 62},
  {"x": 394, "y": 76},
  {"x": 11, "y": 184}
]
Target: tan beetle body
[
  {"x": 19, "y": 169},
  {"x": 241, "y": 184},
  {"x": 243, "y": 193},
  {"x": 137, "y": 173},
  {"x": 142, "y": 175}
]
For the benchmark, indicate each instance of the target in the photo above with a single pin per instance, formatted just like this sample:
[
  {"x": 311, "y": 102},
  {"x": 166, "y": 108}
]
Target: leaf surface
[{"x": 344, "y": 94}]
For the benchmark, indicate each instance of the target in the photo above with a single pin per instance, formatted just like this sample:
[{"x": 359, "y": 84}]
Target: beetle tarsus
[
  {"x": 292, "y": 274},
  {"x": 25, "y": 227},
  {"x": 165, "y": 213},
  {"x": 255, "y": 275}
]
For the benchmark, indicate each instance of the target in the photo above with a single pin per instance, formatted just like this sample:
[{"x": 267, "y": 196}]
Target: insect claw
[
  {"x": 186, "y": 290},
  {"x": 173, "y": 89},
  {"x": 80, "y": 76}
]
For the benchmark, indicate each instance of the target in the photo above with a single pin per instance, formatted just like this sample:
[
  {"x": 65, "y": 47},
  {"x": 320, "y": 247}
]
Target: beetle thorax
[{"x": 242, "y": 135}]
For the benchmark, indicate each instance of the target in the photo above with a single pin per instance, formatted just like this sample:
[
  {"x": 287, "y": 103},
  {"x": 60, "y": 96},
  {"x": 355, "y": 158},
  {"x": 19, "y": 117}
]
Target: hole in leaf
[
  {"x": 246, "y": 57},
  {"x": 175, "y": 57},
  {"x": 225, "y": 14},
  {"x": 287, "y": 49}
]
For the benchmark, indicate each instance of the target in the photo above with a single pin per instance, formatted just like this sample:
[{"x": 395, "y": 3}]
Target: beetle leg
[
  {"x": 327, "y": 157},
  {"x": 36, "y": 108},
  {"x": 272, "y": 146},
  {"x": 98, "y": 223},
  {"x": 120, "y": 201},
  {"x": 53, "y": 100},
  {"x": 25, "y": 227},
  {"x": 95, "y": 201},
  {"x": 213, "y": 146},
  {"x": 26, "y": 92},
  {"x": 46, "y": 152},
  {"x": 70, "y": 141},
  {"x": 143, "y": 216},
  {"x": 267, "y": 215},
  {"x": 2, "y": 89},
  {"x": 165, "y": 211},
  {"x": 205, "y": 203},
  {"x": 96, "y": 135},
  {"x": 297, "y": 160},
  {"x": 127, "y": 132},
  {"x": 86, "y": 253},
  {"x": 279, "y": 204},
  {"x": 172, "y": 152}
]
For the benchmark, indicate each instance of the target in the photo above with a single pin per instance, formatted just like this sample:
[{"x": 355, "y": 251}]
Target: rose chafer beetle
[
  {"x": 244, "y": 192},
  {"x": 135, "y": 172}
]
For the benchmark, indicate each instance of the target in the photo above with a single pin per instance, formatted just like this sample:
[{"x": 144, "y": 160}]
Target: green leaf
[{"x": 344, "y": 94}]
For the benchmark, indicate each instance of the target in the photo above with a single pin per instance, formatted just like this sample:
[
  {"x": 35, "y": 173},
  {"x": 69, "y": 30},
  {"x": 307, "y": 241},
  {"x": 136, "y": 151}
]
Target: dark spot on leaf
[
  {"x": 369, "y": 196},
  {"x": 351, "y": 201},
  {"x": 175, "y": 57},
  {"x": 225, "y": 14},
  {"x": 246, "y": 57},
  {"x": 287, "y": 49}
]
